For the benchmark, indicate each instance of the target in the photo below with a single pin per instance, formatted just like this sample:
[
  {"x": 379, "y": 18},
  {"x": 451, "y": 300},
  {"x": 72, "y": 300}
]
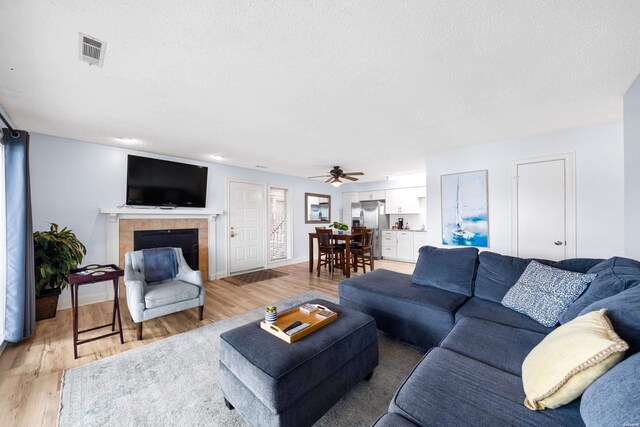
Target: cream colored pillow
[{"x": 569, "y": 359}]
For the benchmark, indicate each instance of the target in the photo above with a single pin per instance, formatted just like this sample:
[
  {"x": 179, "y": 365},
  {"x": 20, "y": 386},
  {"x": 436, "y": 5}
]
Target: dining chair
[
  {"x": 356, "y": 241},
  {"x": 363, "y": 255},
  {"x": 330, "y": 253}
]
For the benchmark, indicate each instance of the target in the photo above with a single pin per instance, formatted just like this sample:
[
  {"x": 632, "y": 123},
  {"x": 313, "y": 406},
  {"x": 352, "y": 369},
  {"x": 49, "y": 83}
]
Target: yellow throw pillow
[{"x": 569, "y": 359}]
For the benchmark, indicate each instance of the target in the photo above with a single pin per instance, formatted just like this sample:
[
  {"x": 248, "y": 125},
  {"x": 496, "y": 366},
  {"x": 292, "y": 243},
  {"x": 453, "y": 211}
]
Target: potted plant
[
  {"x": 340, "y": 227},
  {"x": 270, "y": 314},
  {"x": 56, "y": 252}
]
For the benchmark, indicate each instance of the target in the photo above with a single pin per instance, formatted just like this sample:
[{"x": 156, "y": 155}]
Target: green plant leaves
[{"x": 56, "y": 252}]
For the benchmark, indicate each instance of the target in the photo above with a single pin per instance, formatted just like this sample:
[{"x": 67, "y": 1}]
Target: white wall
[
  {"x": 599, "y": 184},
  {"x": 71, "y": 180},
  {"x": 632, "y": 170}
]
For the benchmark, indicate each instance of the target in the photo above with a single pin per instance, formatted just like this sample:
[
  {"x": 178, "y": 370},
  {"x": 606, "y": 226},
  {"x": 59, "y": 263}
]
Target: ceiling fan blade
[
  {"x": 319, "y": 176},
  {"x": 330, "y": 179},
  {"x": 349, "y": 178},
  {"x": 353, "y": 173}
]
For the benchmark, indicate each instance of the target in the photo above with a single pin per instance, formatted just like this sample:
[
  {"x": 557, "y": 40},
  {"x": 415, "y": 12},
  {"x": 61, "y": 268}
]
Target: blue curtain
[{"x": 20, "y": 314}]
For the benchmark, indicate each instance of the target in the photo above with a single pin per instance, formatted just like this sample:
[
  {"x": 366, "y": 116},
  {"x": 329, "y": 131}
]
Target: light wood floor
[{"x": 31, "y": 371}]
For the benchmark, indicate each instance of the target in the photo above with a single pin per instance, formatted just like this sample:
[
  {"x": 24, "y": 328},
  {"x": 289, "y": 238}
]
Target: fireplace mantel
[{"x": 116, "y": 214}]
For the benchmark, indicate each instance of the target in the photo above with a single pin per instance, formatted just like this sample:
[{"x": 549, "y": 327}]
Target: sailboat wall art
[{"x": 465, "y": 209}]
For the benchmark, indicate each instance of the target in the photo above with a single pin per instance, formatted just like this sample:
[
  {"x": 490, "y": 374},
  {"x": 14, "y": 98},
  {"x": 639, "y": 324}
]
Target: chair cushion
[
  {"x": 544, "y": 293},
  {"x": 449, "y": 389},
  {"x": 612, "y": 276},
  {"x": 498, "y": 273},
  {"x": 496, "y": 312},
  {"x": 612, "y": 400},
  {"x": 159, "y": 264},
  {"x": 623, "y": 310},
  {"x": 168, "y": 293},
  {"x": 449, "y": 269},
  {"x": 501, "y": 346},
  {"x": 569, "y": 359}
]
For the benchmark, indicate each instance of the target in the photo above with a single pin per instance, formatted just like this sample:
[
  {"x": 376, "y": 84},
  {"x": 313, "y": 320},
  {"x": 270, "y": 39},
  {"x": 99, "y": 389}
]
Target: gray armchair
[{"x": 149, "y": 300}]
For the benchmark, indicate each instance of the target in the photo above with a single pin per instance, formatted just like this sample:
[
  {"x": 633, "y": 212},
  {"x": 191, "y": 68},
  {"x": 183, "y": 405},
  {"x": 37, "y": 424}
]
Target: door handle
[
  {"x": 557, "y": 243},
  {"x": 232, "y": 233}
]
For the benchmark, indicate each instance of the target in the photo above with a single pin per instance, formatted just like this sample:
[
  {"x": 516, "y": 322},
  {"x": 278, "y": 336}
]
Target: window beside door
[{"x": 278, "y": 224}]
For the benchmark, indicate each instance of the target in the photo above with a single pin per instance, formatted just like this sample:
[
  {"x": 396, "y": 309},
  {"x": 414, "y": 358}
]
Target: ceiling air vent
[{"x": 92, "y": 50}]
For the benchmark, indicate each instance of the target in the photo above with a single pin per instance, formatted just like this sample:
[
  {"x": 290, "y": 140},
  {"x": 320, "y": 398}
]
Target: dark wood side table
[{"x": 86, "y": 276}]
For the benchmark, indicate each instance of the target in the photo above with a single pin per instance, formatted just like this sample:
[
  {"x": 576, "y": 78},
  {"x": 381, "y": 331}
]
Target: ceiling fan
[{"x": 336, "y": 174}]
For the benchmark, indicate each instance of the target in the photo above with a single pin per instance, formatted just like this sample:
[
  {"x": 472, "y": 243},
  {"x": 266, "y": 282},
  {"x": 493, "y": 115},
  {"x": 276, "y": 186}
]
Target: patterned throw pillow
[{"x": 544, "y": 293}]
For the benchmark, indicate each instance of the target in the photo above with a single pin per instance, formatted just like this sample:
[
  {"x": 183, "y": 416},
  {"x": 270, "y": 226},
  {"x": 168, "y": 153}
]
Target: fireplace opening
[{"x": 185, "y": 239}]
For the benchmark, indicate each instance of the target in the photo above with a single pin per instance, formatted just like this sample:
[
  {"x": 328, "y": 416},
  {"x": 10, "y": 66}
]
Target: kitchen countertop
[{"x": 414, "y": 231}]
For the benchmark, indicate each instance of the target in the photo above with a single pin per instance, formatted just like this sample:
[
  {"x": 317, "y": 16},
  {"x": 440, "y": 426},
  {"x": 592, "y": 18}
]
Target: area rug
[
  {"x": 254, "y": 277},
  {"x": 174, "y": 382}
]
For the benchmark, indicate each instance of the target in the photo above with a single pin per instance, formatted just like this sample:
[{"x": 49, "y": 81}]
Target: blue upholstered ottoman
[{"x": 273, "y": 383}]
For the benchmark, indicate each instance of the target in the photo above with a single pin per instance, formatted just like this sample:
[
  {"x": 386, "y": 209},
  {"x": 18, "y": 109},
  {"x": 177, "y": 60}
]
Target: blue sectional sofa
[{"x": 472, "y": 371}]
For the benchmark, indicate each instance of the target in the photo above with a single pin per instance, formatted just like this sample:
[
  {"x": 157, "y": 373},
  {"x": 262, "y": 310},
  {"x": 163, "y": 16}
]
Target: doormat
[{"x": 254, "y": 277}]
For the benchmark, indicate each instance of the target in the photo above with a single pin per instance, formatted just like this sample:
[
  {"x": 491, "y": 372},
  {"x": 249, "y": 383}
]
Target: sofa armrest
[{"x": 135, "y": 298}]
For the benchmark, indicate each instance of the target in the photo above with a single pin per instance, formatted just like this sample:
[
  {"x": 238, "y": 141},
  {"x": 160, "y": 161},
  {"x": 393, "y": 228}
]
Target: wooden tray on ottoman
[{"x": 295, "y": 314}]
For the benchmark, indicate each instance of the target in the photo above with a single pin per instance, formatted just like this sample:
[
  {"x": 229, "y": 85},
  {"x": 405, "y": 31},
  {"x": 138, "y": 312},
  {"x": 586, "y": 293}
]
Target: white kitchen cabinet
[
  {"x": 419, "y": 240},
  {"x": 388, "y": 239},
  {"x": 404, "y": 250},
  {"x": 372, "y": 195},
  {"x": 400, "y": 245},
  {"x": 348, "y": 198},
  {"x": 403, "y": 200}
]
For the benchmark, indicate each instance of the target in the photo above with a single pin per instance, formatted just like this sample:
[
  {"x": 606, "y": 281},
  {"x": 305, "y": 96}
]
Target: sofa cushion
[
  {"x": 612, "y": 276},
  {"x": 501, "y": 346},
  {"x": 612, "y": 400},
  {"x": 544, "y": 292},
  {"x": 498, "y": 273},
  {"x": 169, "y": 293},
  {"x": 569, "y": 359},
  {"x": 623, "y": 310},
  {"x": 449, "y": 389},
  {"x": 449, "y": 269},
  {"x": 496, "y": 312},
  {"x": 393, "y": 420},
  {"x": 419, "y": 314}
]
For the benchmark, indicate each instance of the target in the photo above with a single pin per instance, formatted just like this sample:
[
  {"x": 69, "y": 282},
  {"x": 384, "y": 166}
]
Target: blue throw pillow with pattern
[{"x": 544, "y": 293}]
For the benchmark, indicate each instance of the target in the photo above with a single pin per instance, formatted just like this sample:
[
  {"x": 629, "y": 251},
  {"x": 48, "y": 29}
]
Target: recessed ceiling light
[
  {"x": 128, "y": 141},
  {"x": 217, "y": 157},
  {"x": 261, "y": 166}
]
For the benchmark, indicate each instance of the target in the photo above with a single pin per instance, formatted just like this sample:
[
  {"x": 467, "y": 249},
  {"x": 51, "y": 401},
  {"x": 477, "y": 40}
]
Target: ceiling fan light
[{"x": 336, "y": 183}]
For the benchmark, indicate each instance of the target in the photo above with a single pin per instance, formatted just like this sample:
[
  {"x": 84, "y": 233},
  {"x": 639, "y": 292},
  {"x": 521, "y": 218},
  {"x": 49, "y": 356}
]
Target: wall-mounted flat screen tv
[{"x": 153, "y": 182}]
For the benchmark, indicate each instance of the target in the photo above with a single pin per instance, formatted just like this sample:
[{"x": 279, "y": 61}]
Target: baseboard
[
  {"x": 285, "y": 262},
  {"x": 84, "y": 300},
  {"x": 276, "y": 264}
]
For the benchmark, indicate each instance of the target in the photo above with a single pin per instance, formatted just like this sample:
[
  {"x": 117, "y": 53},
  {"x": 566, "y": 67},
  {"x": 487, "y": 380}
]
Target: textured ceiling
[{"x": 300, "y": 86}]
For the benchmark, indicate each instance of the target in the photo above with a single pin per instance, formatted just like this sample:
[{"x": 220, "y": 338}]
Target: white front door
[
  {"x": 246, "y": 227},
  {"x": 541, "y": 209}
]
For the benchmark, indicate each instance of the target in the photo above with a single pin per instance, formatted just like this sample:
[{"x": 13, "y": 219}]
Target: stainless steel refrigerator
[{"x": 371, "y": 215}]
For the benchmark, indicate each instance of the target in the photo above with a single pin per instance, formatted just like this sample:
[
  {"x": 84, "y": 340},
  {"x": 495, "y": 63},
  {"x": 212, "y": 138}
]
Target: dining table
[{"x": 345, "y": 237}]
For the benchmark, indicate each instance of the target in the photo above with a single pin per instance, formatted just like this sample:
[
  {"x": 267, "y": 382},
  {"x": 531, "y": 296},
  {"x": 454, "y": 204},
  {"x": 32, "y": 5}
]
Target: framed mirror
[{"x": 317, "y": 208}]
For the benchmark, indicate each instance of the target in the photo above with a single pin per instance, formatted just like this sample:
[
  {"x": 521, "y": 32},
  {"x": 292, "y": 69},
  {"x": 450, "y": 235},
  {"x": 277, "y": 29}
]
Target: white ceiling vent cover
[{"x": 92, "y": 50}]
